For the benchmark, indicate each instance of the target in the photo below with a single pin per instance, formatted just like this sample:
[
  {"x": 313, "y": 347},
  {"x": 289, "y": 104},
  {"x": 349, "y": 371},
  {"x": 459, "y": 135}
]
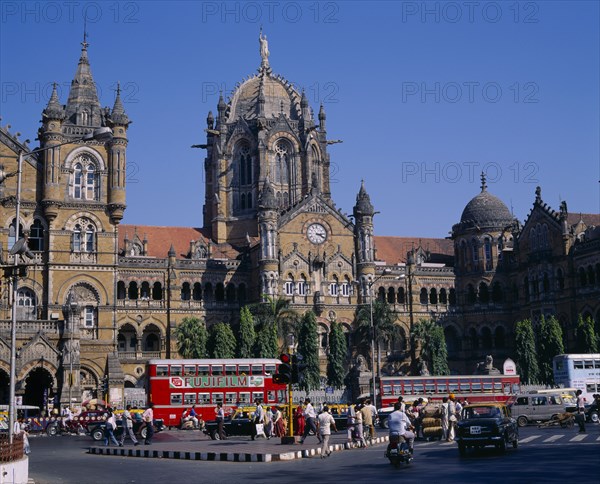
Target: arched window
[
  {"x": 484, "y": 294},
  {"x": 533, "y": 238},
  {"x": 230, "y": 293},
  {"x": 84, "y": 236},
  {"x": 391, "y": 295},
  {"x": 197, "y": 292},
  {"x": 452, "y": 297},
  {"x": 219, "y": 292},
  {"x": 486, "y": 338},
  {"x": 157, "y": 291},
  {"x": 282, "y": 162},
  {"x": 121, "y": 290},
  {"x": 302, "y": 286},
  {"x": 133, "y": 290},
  {"x": 89, "y": 317},
  {"x": 346, "y": 287},
  {"x": 145, "y": 290},
  {"x": 85, "y": 179},
  {"x": 36, "y": 236},
  {"x": 26, "y": 298},
  {"x": 12, "y": 237},
  {"x": 381, "y": 294},
  {"x": 433, "y": 297},
  {"x": 423, "y": 296},
  {"x": 244, "y": 165},
  {"x": 333, "y": 287},
  {"x": 185, "y": 291},
  {"x": 289, "y": 286},
  {"x": 475, "y": 252},
  {"x": 443, "y": 296},
  {"x": 487, "y": 252},
  {"x": 400, "y": 295}
]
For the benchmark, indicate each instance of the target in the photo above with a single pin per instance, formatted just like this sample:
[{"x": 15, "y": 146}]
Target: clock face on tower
[{"x": 316, "y": 233}]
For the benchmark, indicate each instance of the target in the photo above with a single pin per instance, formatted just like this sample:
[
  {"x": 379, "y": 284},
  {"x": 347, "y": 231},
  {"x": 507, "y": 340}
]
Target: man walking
[
  {"x": 310, "y": 415},
  {"x": 326, "y": 420},
  {"x": 259, "y": 416},
  {"x": 374, "y": 415},
  {"x": 580, "y": 411},
  {"x": 127, "y": 422},
  {"x": 148, "y": 417},
  {"x": 367, "y": 416},
  {"x": 220, "y": 413}
]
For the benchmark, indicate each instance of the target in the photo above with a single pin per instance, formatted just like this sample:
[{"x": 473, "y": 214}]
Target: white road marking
[
  {"x": 553, "y": 438},
  {"x": 448, "y": 443},
  {"x": 598, "y": 439},
  {"x": 529, "y": 439},
  {"x": 578, "y": 438}
]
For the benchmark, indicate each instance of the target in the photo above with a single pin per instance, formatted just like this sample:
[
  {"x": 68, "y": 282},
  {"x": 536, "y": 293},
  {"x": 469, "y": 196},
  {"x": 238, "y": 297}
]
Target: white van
[{"x": 537, "y": 407}]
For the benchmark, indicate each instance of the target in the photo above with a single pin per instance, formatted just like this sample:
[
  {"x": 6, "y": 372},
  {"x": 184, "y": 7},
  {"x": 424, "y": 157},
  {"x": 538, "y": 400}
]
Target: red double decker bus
[
  {"x": 475, "y": 388},
  {"x": 174, "y": 385}
]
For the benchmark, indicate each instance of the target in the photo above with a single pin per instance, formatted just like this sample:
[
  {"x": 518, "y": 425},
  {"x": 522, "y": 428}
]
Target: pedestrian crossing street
[{"x": 532, "y": 439}]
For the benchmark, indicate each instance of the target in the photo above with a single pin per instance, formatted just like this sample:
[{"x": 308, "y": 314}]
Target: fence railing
[{"x": 11, "y": 452}]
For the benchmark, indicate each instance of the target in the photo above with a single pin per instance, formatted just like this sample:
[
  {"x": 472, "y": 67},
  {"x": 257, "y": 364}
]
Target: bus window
[
  {"x": 244, "y": 398},
  {"x": 244, "y": 369},
  {"x": 189, "y": 370},
  {"x": 175, "y": 370},
  {"x": 175, "y": 398},
  {"x": 202, "y": 370},
  {"x": 230, "y": 398},
  {"x": 203, "y": 398},
  {"x": 507, "y": 388},
  {"x": 387, "y": 390},
  {"x": 271, "y": 396},
  {"x": 497, "y": 386},
  {"x": 465, "y": 386},
  {"x": 559, "y": 365},
  {"x": 257, "y": 396},
  {"x": 397, "y": 389},
  {"x": 281, "y": 396},
  {"x": 588, "y": 364},
  {"x": 476, "y": 386},
  {"x": 269, "y": 369},
  {"x": 442, "y": 387},
  {"x": 189, "y": 398},
  {"x": 162, "y": 370},
  {"x": 429, "y": 387},
  {"x": 487, "y": 386},
  {"x": 217, "y": 370},
  {"x": 597, "y": 363},
  {"x": 230, "y": 370},
  {"x": 590, "y": 388},
  {"x": 578, "y": 364},
  {"x": 257, "y": 370},
  {"x": 417, "y": 387},
  {"x": 217, "y": 398}
]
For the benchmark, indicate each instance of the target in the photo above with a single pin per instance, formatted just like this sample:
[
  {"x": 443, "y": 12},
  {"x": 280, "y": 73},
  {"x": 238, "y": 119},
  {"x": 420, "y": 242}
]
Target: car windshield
[{"x": 482, "y": 412}]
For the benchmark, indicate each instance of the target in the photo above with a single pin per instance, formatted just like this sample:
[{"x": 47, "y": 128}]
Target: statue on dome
[{"x": 264, "y": 49}]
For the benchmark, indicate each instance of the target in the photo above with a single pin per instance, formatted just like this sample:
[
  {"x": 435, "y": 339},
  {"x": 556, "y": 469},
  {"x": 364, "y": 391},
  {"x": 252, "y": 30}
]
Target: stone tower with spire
[{"x": 363, "y": 238}]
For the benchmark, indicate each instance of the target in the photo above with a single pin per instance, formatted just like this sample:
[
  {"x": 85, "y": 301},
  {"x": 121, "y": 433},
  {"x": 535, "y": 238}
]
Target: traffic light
[
  {"x": 298, "y": 367},
  {"x": 284, "y": 373}
]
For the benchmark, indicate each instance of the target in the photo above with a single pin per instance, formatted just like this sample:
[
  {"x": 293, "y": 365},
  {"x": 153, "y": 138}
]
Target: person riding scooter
[{"x": 400, "y": 425}]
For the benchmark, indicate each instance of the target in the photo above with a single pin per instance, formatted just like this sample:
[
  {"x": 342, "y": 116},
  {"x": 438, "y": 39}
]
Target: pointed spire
[
  {"x": 538, "y": 194},
  {"x": 322, "y": 117},
  {"x": 118, "y": 115},
  {"x": 54, "y": 110},
  {"x": 221, "y": 106},
  {"x": 303, "y": 100},
  {"x": 363, "y": 202},
  {"x": 267, "y": 199},
  {"x": 83, "y": 107},
  {"x": 172, "y": 251},
  {"x": 210, "y": 120},
  {"x": 483, "y": 184}
]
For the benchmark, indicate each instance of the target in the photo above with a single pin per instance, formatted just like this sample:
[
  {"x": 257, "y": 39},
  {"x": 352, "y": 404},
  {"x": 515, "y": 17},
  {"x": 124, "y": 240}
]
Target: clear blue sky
[{"x": 424, "y": 95}]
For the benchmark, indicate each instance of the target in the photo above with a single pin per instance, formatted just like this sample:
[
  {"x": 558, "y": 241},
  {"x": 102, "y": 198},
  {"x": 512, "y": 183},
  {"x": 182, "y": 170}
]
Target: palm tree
[
  {"x": 384, "y": 326},
  {"x": 431, "y": 338},
  {"x": 191, "y": 337},
  {"x": 276, "y": 310}
]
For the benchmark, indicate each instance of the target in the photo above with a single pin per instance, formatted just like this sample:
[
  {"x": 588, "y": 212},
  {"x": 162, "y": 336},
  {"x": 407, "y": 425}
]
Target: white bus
[{"x": 580, "y": 371}]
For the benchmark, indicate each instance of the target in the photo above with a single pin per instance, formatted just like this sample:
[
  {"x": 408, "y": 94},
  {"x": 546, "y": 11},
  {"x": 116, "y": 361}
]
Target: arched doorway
[
  {"x": 38, "y": 386},
  {"x": 4, "y": 387}
]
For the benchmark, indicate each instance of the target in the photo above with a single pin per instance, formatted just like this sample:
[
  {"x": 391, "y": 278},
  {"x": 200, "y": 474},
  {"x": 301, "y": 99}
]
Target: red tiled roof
[
  {"x": 393, "y": 249},
  {"x": 588, "y": 219},
  {"x": 160, "y": 240}
]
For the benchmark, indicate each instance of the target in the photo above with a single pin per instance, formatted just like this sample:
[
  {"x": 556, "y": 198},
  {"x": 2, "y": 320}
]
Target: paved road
[{"x": 546, "y": 455}]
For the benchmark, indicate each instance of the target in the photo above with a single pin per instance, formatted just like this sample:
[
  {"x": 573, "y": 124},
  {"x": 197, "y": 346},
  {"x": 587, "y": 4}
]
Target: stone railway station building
[{"x": 100, "y": 298}]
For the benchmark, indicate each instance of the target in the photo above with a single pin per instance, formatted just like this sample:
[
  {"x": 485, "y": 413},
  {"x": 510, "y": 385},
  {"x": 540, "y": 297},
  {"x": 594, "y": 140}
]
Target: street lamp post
[
  {"x": 370, "y": 287},
  {"x": 410, "y": 261},
  {"x": 19, "y": 248}
]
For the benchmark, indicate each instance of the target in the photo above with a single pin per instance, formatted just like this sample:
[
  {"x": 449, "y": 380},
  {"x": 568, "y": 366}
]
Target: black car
[
  {"x": 591, "y": 412},
  {"x": 486, "y": 424},
  {"x": 239, "y": 423},
  {"x": 96, "y": 429}
]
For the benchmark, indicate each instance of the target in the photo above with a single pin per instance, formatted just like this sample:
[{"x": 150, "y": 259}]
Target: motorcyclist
[{"x": 399, "y": 423}]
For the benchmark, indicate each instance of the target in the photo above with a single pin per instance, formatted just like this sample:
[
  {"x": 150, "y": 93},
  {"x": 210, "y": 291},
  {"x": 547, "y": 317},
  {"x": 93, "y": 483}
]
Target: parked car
[
  {"x": 591, "y": 412},
  {"x": 537, "y": 407},
  {"x": 486, "y": 424},
  {"x": 240, "y": 423}
]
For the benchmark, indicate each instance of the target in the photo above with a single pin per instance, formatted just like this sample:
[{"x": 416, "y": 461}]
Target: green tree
[
  {"x": 191, "y": 336},
  {"x": 246, "y": 334},
  {"x": 266, "y": 341},
  {"x": 384, "y": 324},
  {"x": 429, "y": 336},
  {"x": 277, "y": 310},
  {"x": 525, "y": 350},
  {"x": 587, "y": 339},
  {"x": 308, "y": 347},
  {"x": 336, "y": 359},
  {"x": 549, "y": 344},
  {"x": 221, "y": 341}
]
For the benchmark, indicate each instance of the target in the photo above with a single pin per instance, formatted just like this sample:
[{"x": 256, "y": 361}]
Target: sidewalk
[{"x": 190, "y": 445}]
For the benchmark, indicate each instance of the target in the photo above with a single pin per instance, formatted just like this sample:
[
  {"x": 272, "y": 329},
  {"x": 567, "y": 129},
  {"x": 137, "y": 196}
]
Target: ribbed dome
[
  {"x": 278, "y": 96},
  {"x": 486, "y": 210}
]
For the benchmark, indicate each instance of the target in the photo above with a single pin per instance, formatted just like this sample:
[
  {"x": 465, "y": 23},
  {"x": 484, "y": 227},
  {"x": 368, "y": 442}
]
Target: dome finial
[
  {"x": 538, "y": 194},
  {"x": 264, "y": 49},
  {"x": 483, "y": 184}
]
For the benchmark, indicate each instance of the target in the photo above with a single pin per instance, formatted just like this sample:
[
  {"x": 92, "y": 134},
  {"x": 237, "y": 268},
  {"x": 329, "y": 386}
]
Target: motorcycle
[
  {"x": 397, "y": 451},
  {"x": 68, "y": 427}
]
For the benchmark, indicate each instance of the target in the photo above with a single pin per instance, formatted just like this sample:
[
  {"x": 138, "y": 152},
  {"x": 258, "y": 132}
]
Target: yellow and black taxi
[{"x": 486, "y": 424}]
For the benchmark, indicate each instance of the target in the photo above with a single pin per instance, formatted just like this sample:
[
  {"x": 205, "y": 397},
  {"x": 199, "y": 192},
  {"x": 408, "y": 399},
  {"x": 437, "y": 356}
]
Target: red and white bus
[
  {"x": 475, "y": 388},
  {"x": 175, "y": 385}
]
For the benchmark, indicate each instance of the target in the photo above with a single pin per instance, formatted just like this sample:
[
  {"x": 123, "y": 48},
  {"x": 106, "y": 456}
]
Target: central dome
[
  {"x": 279, "y": 96},
  {"x": 487, "y": 210}
]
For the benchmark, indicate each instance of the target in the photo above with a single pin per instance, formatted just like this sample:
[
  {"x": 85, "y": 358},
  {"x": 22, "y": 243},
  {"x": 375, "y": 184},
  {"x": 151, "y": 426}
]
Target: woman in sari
[{"x": 299, "y": 421}]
